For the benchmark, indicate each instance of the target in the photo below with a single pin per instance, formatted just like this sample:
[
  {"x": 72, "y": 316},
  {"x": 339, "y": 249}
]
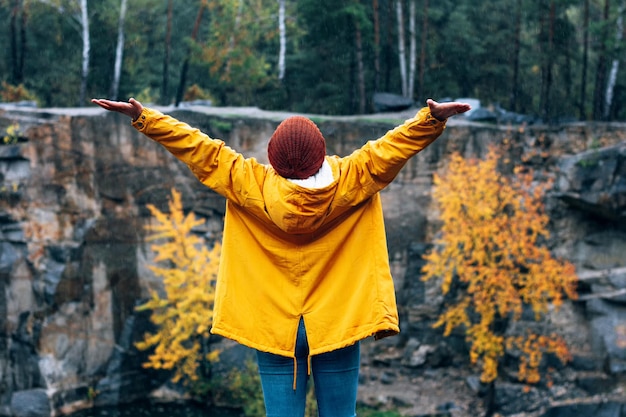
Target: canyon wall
[{"x": 74, "y": 185}]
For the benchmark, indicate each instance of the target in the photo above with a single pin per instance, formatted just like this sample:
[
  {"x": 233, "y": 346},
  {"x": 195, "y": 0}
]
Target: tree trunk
[
  {"x": 548, "y": 60},
  {"x": 401, "y": 48},
  {"x": 583, "y": 82},
  {"x": 516, "y": 57},
  {"x": 376, "y": 18},
  {"x": 84, "y": 21},
  {"x": 119, "y": 52},
  {"x": 17, "y": 41},
  {"x": 598, "y": 96},
  {"x": 550, "y": 64},
  {"x": 489, "y": 399},
  {"x": 360, "y": 67},
  {"x": 422, "y": 69},
  {"x": 13, "y": 41},
  {"x": 22, "y": 58},
  {"x": 610, "y": 87},
  {"x": 283, "y": 40},
  {"x": 194, "y": 36},
  {"x": 412, "y": 50},
  {"x": 387, "y": 52},
  {"x": 165, "y": 84}
]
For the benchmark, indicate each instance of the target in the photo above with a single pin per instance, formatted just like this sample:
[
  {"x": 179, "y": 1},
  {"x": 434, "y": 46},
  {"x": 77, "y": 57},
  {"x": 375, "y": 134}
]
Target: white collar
[{"x": 320, "y": 179}]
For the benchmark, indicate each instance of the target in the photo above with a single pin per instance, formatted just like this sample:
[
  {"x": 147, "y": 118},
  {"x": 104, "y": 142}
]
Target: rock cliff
[{"x": 73, "y": 259}]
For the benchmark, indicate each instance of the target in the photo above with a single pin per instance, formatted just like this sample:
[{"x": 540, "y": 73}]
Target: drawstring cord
[{"x": 295, "y": 369}]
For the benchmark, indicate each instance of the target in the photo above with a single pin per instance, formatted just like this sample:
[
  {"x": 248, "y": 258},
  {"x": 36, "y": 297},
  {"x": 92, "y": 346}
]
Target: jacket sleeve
[
  {"x": 216, "y": 165},
  {"x": 372, "y": 167}
]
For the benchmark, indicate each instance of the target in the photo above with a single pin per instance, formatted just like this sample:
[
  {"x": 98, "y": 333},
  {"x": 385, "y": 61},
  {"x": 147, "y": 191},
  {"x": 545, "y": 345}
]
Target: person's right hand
[
  {"x": 441, "y": 111},
  {"x": 131, "y": 109}
]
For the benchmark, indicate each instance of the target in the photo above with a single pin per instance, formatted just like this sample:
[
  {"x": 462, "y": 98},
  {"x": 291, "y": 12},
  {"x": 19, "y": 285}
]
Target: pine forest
[{"x": 558, "y": 60}]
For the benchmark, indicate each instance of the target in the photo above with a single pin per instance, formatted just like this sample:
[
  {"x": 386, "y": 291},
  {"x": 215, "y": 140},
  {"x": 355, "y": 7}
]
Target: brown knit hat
[{"x": 297, "y": 148}]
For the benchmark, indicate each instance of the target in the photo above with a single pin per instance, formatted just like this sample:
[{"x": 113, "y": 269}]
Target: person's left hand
[
  {"x": 131, "y": 109},
  {"x": 441, "y": 111}
]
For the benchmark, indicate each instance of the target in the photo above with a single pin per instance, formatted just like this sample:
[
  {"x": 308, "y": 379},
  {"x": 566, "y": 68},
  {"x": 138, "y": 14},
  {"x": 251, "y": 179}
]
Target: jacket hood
[{"x": 297, "y": 209}]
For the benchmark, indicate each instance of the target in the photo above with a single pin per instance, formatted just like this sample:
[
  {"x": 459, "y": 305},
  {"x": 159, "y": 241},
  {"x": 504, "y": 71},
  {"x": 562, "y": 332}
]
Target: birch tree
[
  {"x": 610, "y": 87},
  {"x": 422, "y": 68},
  {"x": 408, "y": 83},
  {"x": 601, "y": 64},
  {"x": 412, "y": 49},
  {"x": 282, "y": 31},
  {"x": 84, "y": 25},
  {"x": 401, "y": 48},
  {"x": 119, "y": 52}
]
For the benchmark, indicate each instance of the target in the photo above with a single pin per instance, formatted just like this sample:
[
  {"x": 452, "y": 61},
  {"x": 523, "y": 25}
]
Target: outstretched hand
[
  {"x": 131, "y": 109},
  {"x": 441, "y": 111}
]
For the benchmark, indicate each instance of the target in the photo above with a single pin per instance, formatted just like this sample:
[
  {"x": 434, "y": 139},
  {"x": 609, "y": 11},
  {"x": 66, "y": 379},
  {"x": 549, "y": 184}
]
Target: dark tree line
[{"x": 553, "y": 59}]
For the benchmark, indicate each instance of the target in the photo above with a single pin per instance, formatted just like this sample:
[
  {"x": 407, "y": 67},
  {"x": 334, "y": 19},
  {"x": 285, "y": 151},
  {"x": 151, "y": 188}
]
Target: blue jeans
[{"x": 335, "y": 375}]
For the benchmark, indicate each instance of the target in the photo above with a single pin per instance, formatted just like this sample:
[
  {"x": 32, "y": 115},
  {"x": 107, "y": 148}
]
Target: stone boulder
[
  {"x": 595, "y": 409},
  {"x": 30, "y": 403},
  {"x": 595, "y": 181},
  {"x": 389, "y": 102}
]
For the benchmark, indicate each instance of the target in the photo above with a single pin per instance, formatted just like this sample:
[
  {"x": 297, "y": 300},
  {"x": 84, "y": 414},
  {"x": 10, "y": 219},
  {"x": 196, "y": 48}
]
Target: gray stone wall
[{"x": 73, "y": 259}]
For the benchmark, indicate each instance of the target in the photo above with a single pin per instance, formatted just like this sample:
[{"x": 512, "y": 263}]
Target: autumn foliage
[
  {"x": 493, "y": 264},
  {"x": 183, "y": 315},
  {"x": 14, "y": 93}
]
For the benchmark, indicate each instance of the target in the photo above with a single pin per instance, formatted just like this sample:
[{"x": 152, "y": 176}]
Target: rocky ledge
[{"x": 73, "y": 260}]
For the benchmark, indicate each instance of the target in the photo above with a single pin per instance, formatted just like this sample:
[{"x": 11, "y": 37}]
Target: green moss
[
  {"x": 224, "y": 126},
  {"x": 391, "y": 122}
]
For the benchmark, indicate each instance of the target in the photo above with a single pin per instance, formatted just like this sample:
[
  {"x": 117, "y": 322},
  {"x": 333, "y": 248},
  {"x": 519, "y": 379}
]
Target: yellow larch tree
[
  {"x": 184, "y": 314},
  {"x": 492, "y": 262}
]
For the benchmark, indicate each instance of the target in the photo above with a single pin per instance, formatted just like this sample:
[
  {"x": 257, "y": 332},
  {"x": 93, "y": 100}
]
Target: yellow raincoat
[{"x": 290, "y": 251}]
